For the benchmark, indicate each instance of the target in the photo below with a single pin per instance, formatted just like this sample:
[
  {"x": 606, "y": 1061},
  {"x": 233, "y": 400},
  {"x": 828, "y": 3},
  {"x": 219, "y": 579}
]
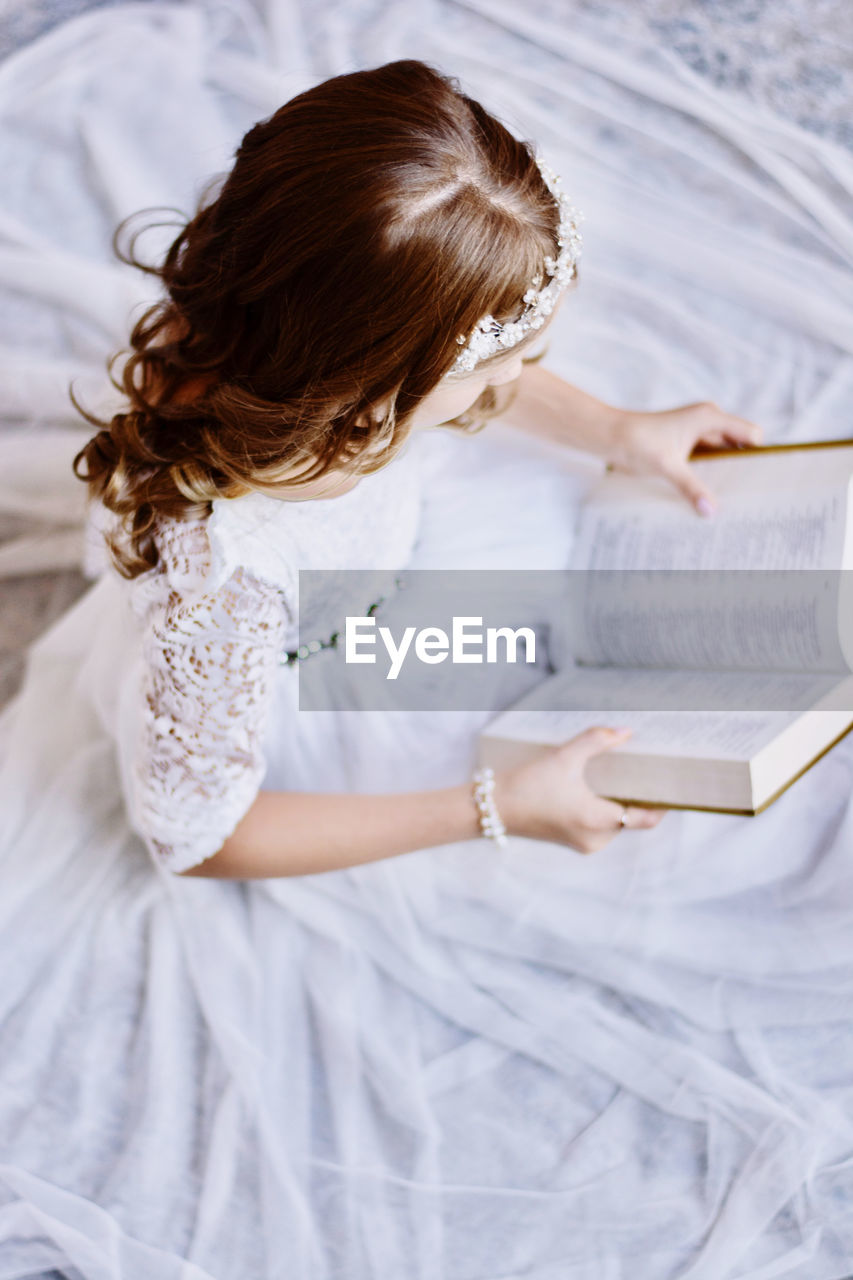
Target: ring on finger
[{"x": 623, "y": 820}]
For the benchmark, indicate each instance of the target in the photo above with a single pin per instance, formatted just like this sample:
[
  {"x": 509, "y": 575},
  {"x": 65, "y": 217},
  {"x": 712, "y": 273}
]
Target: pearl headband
[{"x": 489, "y": 336}]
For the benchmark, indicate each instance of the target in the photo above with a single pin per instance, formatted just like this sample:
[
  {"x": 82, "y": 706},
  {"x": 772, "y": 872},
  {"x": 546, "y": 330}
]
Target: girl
[
  {"x": 318, "y": 314},
  {"x": 308, "y": 1057}
]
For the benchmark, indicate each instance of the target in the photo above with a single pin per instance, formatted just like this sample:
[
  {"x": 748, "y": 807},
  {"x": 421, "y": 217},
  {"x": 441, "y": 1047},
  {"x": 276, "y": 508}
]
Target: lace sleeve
[{"x": 209, "y": 668}]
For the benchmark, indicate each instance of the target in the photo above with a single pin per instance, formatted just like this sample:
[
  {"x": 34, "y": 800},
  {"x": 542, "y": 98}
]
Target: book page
[
  {"x": 564, "y": 705},
  {"x": 778, "y": 515},
  {"x": 713, "y": 734}
]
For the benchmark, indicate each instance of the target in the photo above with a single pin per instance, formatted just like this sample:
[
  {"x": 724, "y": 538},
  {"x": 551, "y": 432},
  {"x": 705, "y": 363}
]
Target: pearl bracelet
[{"x": 490, "y": 820}]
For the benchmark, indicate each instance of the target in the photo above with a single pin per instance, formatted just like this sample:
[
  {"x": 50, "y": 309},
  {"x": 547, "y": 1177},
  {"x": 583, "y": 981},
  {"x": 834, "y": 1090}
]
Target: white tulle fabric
[{"x": 449, "y": 1065}]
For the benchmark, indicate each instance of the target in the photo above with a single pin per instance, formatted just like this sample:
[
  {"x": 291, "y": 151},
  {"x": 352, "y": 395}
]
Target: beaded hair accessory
[{"x": 489, "y": 335}]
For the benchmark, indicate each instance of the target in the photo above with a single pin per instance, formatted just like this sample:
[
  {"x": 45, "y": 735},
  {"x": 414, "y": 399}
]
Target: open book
[{"x": 733, "y": 682}]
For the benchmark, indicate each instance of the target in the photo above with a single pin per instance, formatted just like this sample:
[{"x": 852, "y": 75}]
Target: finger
[
  {"x": 639, "y": 818},
  {"x": 730, "y": 430},
  {"x": 602, "y": 820},
  {"x": 714, "y": 439},
  {"x": 604, "y": 815},
  {"x": 592, "y": 741},
  {"x": 734, "y": 430},
  {"x": 730, "y": 439},
  {"x": 740, "y": 431},
  {"x": 688, "y": 484}
]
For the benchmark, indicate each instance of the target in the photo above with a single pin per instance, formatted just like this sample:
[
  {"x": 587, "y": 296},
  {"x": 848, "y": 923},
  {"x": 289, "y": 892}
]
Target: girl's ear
[{"x": 381, "y": 410}]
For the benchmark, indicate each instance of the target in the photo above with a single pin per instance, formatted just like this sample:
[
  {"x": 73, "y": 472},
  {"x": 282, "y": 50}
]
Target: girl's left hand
[{"x": 660, "y": 444}]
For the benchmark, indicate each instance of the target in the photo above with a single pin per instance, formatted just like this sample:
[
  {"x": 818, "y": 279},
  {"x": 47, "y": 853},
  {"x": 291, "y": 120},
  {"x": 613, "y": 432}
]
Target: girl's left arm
[{"x": 639, "y": 442}]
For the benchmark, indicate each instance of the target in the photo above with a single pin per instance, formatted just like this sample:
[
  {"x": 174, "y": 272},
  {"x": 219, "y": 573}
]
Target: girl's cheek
[
  {"x": 448, "y": 404},
  {"x": 508, "y": 375}
]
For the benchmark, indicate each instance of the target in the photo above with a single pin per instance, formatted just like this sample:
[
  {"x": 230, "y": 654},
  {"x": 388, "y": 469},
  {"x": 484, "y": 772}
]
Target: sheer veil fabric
[{"x": 451, "y": 1065}]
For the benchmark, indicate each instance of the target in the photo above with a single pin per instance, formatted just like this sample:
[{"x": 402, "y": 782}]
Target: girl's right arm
[
  {"x": 295, "y": 833},
  {"x": 298, "y": 833},
  {"x": 198, "y": 763}
]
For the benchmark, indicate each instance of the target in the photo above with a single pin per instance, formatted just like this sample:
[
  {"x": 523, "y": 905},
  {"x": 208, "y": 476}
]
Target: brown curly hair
[{"x": 363, "y": 226}]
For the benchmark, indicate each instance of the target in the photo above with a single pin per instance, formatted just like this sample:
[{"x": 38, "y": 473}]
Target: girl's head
[{"x": 313, "y": 305}]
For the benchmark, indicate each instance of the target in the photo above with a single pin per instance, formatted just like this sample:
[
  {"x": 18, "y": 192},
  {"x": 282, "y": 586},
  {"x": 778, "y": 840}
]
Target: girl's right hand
[{"x": 549, "y": 798}]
